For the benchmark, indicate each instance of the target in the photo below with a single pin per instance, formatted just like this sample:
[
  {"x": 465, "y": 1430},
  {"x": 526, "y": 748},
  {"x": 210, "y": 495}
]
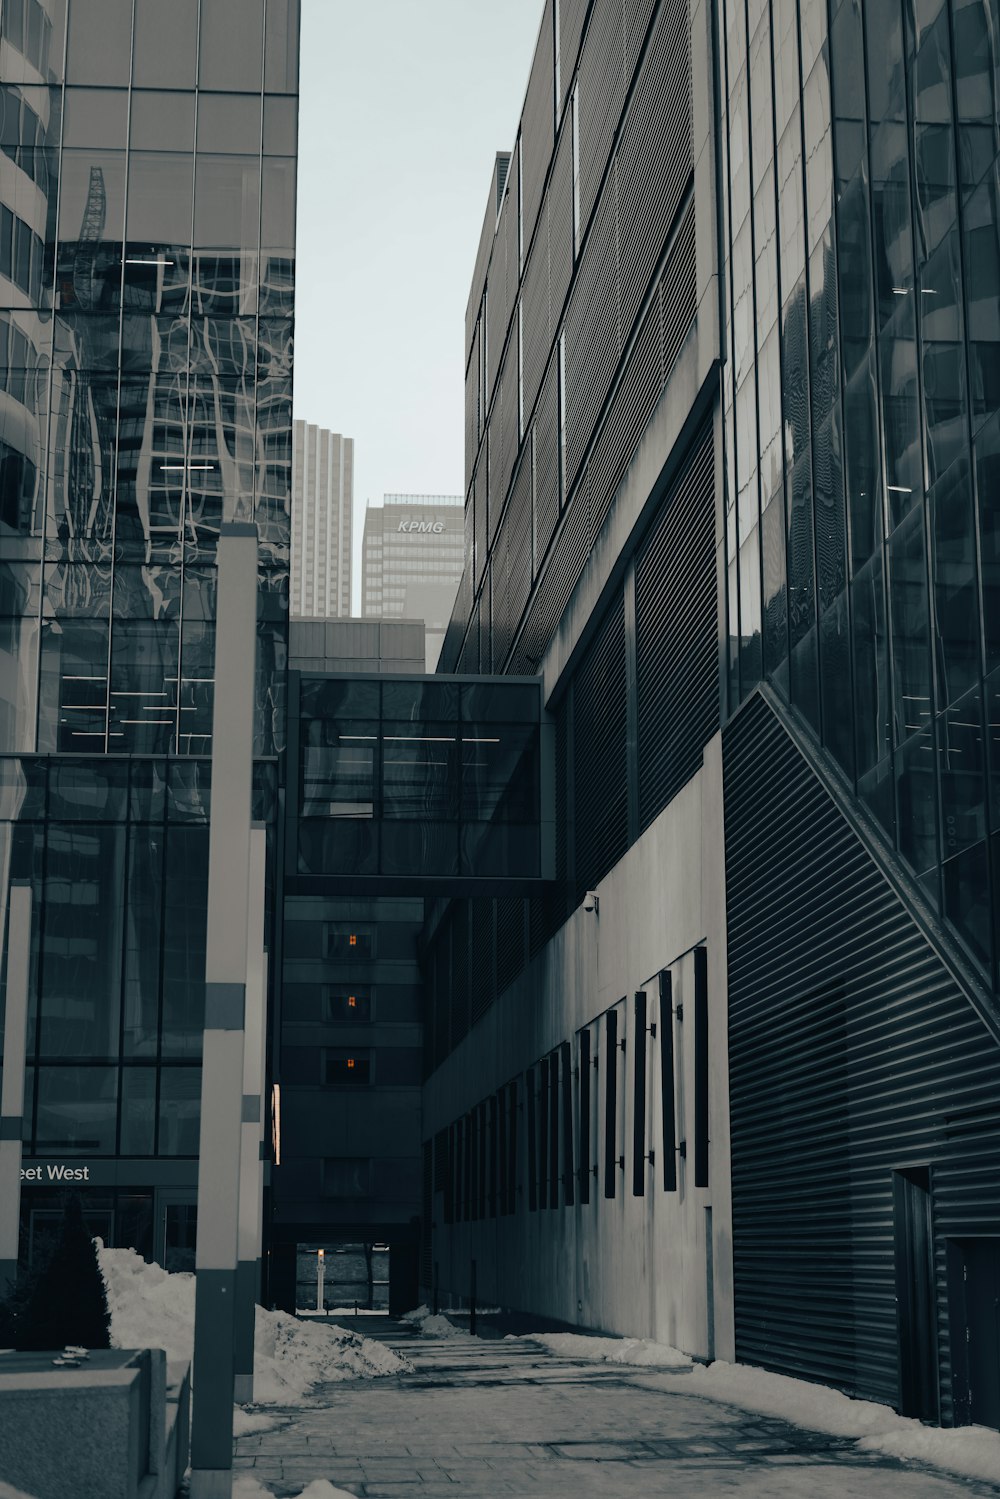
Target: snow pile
[
  {"x": 432, "y": 1324},
  {"x": 642, "y": 1352},
  {"x": 246, "y": 1487},
  {"x": 972, "y": 1451},
  {"x": 151, "y": 1308}
]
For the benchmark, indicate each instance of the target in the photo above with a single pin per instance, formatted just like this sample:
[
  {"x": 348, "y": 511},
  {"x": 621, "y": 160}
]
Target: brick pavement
[{"x": 483, "y": 1419}]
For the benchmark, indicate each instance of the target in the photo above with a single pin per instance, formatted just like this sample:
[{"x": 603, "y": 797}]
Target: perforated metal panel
[
  {"x": 535, "y": 321},
  {"x": 853, "y": 1054},
  {"x": 559, "y": 207},
  {"x": 510, "y": 940},
  {"x": 600, "y": 771},
  {"x": 572, "y": 15},
  {"x": 677, "y": 634},
  {"x": 653, "y": 156},
  {"x": 593, "y": 342},
  {"x": 537, "y": 127},
  {"x": 602, "y": 93}
]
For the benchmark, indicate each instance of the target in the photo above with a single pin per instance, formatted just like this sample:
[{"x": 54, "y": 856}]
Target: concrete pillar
[
  {"x": 12, "y": 1092},
  {"x": 251, "y": 1164},
  {"x": 225, "y": 1003}
]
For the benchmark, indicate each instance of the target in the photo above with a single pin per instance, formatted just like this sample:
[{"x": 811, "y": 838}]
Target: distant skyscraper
[
  {"x": 413, "y": 553},
  {"x": 322, "y": 499}
]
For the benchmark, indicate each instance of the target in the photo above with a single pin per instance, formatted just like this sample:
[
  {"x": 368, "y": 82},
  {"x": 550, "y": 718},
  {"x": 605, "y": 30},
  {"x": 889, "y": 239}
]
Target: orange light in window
[
  {"x": 350, "y": 1061},
  {"x": 352, "y": 1003},
  {"x": 352, "y": 940}
]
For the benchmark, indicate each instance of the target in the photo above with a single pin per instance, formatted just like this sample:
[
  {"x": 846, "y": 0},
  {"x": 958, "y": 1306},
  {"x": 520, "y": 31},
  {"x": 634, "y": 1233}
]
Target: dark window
[
  {"x": 352, "y": 1005},
  {"x": 344, "y": 941},
  {"x": 347, "y": 1177},
  {"x": 343, "y": 1066}
]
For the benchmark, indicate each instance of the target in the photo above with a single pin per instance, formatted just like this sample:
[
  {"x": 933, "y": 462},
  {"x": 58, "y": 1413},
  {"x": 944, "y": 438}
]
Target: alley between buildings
[{"x": 482, "y": 1418}]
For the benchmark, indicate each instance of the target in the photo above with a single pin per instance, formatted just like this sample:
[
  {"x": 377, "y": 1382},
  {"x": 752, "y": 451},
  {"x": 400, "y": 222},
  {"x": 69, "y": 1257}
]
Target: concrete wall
[{"x": 642, "y": 1266}]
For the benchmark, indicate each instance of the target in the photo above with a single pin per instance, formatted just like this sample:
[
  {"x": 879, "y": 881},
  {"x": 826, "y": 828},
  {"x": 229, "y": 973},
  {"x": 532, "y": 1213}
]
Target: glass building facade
[
  {"x": 859, "y": 192},
  {"x": 147, "y": 213}
]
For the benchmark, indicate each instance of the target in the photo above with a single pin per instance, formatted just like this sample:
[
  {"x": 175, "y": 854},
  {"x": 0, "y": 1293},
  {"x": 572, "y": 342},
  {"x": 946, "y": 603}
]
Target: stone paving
[{"x": 483, "y": 1419}]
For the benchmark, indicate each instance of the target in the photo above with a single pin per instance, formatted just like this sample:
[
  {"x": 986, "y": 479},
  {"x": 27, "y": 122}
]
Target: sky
[{"x": 403, "y": 107}]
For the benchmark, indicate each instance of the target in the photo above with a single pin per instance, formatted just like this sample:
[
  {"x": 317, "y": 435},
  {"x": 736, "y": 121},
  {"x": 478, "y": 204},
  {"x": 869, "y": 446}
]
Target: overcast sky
[{"x": 404, "y": 105}]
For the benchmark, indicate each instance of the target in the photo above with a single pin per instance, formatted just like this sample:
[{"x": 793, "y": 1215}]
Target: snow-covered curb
[
  {"x": 972, "y": 1451},
  {"x": 245, "y": 1486}
]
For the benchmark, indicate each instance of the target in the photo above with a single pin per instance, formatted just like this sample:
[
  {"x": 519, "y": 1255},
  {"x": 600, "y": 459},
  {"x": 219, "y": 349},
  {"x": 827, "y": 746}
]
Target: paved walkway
[{"x": 484, "y": 1419}]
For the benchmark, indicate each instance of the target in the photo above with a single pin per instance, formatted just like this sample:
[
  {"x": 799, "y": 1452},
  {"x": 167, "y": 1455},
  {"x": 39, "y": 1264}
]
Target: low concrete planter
[{"x": 115, "y": 1428}]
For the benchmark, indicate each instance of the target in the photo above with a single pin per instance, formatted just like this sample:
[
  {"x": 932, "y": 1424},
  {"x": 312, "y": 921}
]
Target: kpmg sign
[{"x": 423, "y": 527}]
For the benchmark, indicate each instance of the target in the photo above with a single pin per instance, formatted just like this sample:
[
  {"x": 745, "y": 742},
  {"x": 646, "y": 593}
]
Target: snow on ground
[
  {"x": 151, "y": 1308},
  {"x": 639, "y": 1351},
  {"x": 247, "y": 1423},
  {"x": 433, "y": 1324},
  {"x": 247, "y": 1487},
  {"x": 972, "y": 1451}
]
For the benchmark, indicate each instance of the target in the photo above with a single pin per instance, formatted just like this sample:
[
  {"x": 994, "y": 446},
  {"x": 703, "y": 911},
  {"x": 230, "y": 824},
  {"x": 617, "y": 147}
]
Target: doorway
[
  {"x": 919, "y": 1393},
  {"x": 974, "y": 1325},
  {"x": 177, "y": 1231}
]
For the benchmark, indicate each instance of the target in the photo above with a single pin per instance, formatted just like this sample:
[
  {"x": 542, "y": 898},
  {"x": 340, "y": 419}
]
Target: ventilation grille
[
  {"x": 677, "y": 635},
  {"x": 599, "y": 740}
]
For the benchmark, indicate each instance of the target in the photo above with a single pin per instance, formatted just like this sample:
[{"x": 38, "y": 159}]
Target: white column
[
  {"x": 225, "y": 1001},
  {"x": 12, "y": 1091},
  {"x": 251, "y": 1165}
]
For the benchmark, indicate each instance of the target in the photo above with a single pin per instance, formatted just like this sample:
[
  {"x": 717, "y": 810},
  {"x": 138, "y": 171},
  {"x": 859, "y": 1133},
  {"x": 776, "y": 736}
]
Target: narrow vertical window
[
  {"x": 669, "y": 1139},
  {"x": 554, "y": 1130},
  {"x": 566, "y": 1069},
  {"x": 610, "y": 1101},
  {"x": 503, "y": 1177},
  {"x": 543, "y": 1134},
  {"x": 531, "y": 1141},
  {"x": 562, "y": 415},
  {"x": 574, "y": 105},
  {"x": 485, "y": 1153},
  {"x": 449, "y": 1176},
  {"x": 495, "y": 1155},
  {"x": 700, "y": 1067},
  {"x": 535, "y": 559},
  {"x": 512, "y": 1150},
  {"x": 585, "y": 1116},
  {"x": 639, "y": 1098}
]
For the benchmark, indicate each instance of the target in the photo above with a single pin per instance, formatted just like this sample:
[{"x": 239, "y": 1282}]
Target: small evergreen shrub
[{"x": 66, "y": 1302}]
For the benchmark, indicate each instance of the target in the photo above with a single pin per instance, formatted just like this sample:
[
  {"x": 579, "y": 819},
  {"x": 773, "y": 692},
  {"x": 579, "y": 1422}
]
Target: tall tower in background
[
  {"x": 322, "y": 501},
  {"x": 411, "y": 563}
]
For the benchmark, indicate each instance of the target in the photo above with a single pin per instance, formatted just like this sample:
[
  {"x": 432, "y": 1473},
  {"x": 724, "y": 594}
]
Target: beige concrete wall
[{"x": 632, "y": 1265}]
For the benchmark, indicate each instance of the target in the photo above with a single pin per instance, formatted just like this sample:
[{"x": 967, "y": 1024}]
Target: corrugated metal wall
[{"x": 853, "y": 1054}]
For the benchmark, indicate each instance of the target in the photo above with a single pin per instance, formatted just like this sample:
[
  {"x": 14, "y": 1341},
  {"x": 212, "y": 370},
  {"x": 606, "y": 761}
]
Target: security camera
[{"x": 590, "y": 901}]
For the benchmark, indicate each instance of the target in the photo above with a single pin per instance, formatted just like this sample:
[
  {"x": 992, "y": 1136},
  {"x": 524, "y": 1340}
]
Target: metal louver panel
[
  {"x": 559, "y": 207},
  {"x": 853, "y": 1054},
  {"x": 496, "y": 309},
  {"x": 654, "y": 158},
  {"x": 679, "y": 290},
  {"x": 501, "y": 621},
  {"x": 572, "y": 15},
  {"x": 518, "y": 529},
  {"x": 631, "y": 407},
  {"x": 535, "y": 321},
  {"x": 495, "y": 455},
  {"x": 593, "y": 342},
  {"x": 677, "y": 634},
  {"x": 472, "y": 411},
  {"x": 482, "y": 517},
  {"x": 536, "y": 130},
  {"x": 637, "y": 17},
  {"x": 602, "y": 93},
  {"x": 599, "y": 747},
  {"x": 546, "y": 464}
]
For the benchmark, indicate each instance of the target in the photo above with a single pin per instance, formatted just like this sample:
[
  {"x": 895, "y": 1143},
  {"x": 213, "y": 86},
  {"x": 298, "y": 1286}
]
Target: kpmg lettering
[
  {"x": 55, "y": 1173},
  {"x": 424, "y": 527}
]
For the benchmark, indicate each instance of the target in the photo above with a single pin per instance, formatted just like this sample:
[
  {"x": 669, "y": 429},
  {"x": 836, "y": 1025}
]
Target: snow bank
[
  {"x": 153, "y": 1309},
  {"x": 433, "y": 1324},
  {"x": 247, "y": 1487},
  {"x": 638, "y": 1351},
  {"x": 972, "y": 1451}
]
